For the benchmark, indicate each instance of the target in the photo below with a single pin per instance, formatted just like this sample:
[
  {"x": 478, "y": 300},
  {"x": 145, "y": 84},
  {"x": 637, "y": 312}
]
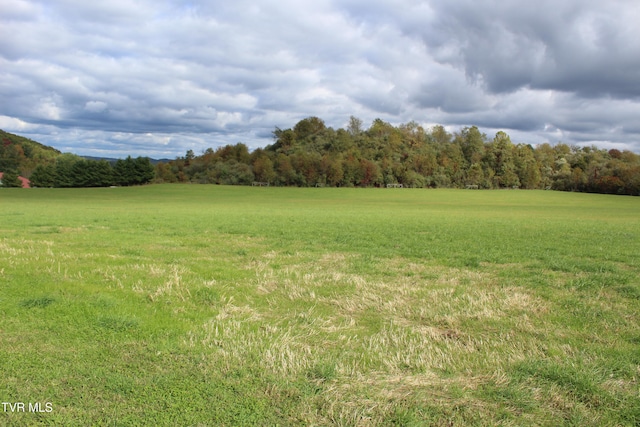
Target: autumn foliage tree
[{"x": 311, "y": 154}]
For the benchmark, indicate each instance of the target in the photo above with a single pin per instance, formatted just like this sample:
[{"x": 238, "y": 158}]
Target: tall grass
[{"x": 205, "y": 305}]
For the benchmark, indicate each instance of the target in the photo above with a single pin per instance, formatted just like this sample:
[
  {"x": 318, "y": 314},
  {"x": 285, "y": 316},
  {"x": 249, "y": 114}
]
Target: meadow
[{"x": 216, "y": 305}]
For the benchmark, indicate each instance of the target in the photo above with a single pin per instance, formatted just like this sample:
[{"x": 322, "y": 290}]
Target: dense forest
[{"x": 312, "y": 154}]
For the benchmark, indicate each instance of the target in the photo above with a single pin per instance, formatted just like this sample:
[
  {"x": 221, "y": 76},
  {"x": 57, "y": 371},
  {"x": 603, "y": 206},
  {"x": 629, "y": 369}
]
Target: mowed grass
[{"x": 210, "y": 305}]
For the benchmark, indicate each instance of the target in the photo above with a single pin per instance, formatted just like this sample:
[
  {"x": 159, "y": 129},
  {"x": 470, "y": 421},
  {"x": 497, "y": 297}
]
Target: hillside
[
  {"x": 45, "y": 166},
  {"x": 113, "y": 160},
  {"x": 21, "y": 154}
]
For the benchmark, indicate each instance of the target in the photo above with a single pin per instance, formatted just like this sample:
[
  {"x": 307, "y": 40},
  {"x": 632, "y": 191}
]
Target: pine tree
[{"x": 10, "y": 179}]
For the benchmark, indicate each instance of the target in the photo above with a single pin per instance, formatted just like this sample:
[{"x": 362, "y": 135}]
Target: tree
[
  {"x": 577, "y": 180},
  {"x": 144, "y": 171},
  {"x": 351, "y": 170},
  {"x": 286, "y": 174},
  {"x": 452, "y": 161},
  {"x": 369, "y": 172},
  {"x": 312, "y": 153},
  {"x": 11, "y": 156},
  {"x": 263, "y": 169},
  {"x": 231, "y": 173},
  {"x": 440, "y": 135},
  {"x": 64, "y": 170},
  {"x": 43, "y": 176},
  {"x": 285, "y": 141},
  {"x": 475, "y": 175},
  {"x": 188, "y": 158},
  {"x": 413, "y": 134},
  {"x": 308, "y": 127},
  {"x": 10, "y": 179},
  {"x": 503, "y": 164},
  {"x": 355, "y": 126},
  {"x": 131, "y": 171},
  {"x": 334, "y": 171},
  {"x": 81, "y": 174},
  {"x": 123, "y": 171},
  {"x": 472, "y": 144},
  {"x": 562, "y": 175},
  {"x": 308, "y": 168},
  {"x": 102, "y": 174},
  {"x": 526, "y": 166},
  {"x": 164, "y": 173}
]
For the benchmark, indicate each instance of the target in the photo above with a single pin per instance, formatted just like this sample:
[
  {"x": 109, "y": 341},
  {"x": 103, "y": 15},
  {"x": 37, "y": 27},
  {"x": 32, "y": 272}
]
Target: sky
[{"x": 156, "y": 78}]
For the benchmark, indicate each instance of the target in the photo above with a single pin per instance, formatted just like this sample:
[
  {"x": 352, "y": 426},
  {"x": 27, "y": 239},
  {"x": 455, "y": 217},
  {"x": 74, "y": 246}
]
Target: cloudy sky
[{"x": 159, "y": 77}]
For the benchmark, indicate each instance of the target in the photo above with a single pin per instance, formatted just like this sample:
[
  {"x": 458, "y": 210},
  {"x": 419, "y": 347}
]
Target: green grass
[{"x": 208, "y": 305}]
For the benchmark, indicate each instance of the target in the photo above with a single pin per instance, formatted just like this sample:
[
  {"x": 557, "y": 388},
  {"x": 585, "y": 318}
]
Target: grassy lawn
[{"x": 211, "y": 305}]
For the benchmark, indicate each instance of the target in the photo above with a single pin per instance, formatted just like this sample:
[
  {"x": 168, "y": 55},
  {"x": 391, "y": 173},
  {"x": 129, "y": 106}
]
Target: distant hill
[
  {"x": 113, "y": 160},
  {"x": 23, "y": 155}
]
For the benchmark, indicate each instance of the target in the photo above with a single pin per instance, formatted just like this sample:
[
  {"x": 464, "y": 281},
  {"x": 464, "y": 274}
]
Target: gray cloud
[
  {"x": 587, "y": 47},
  {"x": 122, "y": 77}
]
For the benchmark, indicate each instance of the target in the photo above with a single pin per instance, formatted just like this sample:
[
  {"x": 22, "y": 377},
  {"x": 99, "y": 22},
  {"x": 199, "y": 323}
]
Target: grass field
[{"x": 209, "y": 305}]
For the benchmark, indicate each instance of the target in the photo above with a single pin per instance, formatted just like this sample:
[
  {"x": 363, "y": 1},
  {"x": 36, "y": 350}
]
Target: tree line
[
  {"x": 47, "y": 167},
  {"x": 70, "y": 170},
  {"x": 312, "y": 154}
]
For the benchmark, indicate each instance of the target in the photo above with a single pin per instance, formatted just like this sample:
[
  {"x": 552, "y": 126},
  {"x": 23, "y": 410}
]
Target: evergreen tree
[
  {"x": 123, "y": 171},
  {"x": 10, "y": 179},
  {"x": 64, "y": 170},
  {"x": 144, "y": 171},
  {"x": 43, "y": 176}
]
